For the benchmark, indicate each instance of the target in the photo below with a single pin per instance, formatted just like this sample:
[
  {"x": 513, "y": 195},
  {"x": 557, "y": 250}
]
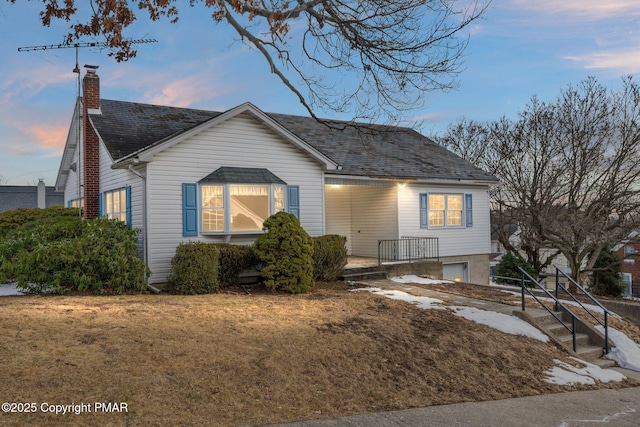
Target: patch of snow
[
  {"x": 421, "y": 302},
  {"x": 410, "y": 278},
  {"x": 10, "y": 289},
  {"x": 566, "y": 374},
  {"x": 626, "y": 351},
  {"x": 502, "y": 322}
]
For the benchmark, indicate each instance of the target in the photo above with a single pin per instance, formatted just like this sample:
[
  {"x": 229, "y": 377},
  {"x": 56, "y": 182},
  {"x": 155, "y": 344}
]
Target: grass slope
[{"x": 229, "y": 360}]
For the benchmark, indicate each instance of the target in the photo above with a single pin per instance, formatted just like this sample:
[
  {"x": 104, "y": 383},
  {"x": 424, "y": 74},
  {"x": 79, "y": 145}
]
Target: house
[
  {"x": 182, "y": 174},
  {"x": 29, "y": 196},
  {"x": 629, "y": 253}
]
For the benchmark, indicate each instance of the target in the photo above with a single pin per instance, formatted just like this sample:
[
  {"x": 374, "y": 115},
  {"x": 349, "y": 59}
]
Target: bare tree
[
  {"x": 569, "y": 171},
  {"x": 397, "y": 51}
]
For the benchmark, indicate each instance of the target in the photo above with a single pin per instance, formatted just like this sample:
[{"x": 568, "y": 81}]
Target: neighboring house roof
[
  {"x": 372, "y": 151},
  {"x": 26, "y": 196}
]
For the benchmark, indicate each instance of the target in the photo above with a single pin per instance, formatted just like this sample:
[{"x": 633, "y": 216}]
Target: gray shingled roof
[
  {"x": 242, "y": 176},
  {"x": 373, "y": 151},
  {"x": 26, "y": 196},
  {"x": 127, "y": 127}
]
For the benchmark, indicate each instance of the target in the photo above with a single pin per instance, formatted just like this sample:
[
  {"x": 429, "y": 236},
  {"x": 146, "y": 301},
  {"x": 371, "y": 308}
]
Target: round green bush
[
  {"x": 286, "y": 252},
  {"x": 194, "y": 269}
]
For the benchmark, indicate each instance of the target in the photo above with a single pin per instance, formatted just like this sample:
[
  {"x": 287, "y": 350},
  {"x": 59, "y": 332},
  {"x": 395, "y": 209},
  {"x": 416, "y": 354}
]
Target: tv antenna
[
  {"x": 76, "y": 70},
  {"x": 78, "y": 45}
]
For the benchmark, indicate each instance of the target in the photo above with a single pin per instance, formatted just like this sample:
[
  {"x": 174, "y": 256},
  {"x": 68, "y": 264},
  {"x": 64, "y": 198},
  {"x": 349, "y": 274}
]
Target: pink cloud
[
  {"x": 186, "y": 91},
  {"x": 50, "y": 137},
  {"x": 623, "y": 61},
  {"x": 594, "y": 10}
]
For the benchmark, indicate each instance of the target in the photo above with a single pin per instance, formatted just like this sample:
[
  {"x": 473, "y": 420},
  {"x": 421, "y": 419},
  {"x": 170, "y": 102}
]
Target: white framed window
[
  {"x": 445, "y": 210},
  {"x": 629, "y": 251},
  {"x": 238, "y": 208},
  {"x": 115, "y": 205},
  {"x": 76, "y": 203},
  {"x": 235, "y": 200},
  {"x": 212, "y": 197}
]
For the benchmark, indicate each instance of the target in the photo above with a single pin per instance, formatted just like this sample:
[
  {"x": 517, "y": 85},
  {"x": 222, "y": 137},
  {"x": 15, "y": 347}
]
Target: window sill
[{"x": 231, "y": 233}]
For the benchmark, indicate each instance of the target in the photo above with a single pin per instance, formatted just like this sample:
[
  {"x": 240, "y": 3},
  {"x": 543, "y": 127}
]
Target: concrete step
[
  {"x": 603, "y": 363},
  {"x": 582, "y": 340},
  {"x": 590, "y": 353},
  {"x": 364, "y": 275},
  {"x": 544, "y": 318}
]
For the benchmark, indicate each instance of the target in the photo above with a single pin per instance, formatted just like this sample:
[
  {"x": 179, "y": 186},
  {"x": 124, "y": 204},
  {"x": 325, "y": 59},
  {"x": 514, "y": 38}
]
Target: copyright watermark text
[{"x": 71, "y": 408}]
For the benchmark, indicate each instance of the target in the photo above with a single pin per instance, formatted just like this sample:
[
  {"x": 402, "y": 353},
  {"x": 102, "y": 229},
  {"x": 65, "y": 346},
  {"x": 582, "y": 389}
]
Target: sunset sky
[{"x": 519, "y": 49}]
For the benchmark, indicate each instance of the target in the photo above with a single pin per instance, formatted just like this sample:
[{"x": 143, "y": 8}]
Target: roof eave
[
  {"x": 70, "y": 147},
  {"x": 146, "y": 154}
]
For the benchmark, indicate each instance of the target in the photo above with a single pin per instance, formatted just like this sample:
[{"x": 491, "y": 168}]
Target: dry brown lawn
[{"x": 235, "y": 359}]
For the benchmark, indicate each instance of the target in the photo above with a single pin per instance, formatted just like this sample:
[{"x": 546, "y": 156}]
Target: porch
[{"x": 368, "y": 268}]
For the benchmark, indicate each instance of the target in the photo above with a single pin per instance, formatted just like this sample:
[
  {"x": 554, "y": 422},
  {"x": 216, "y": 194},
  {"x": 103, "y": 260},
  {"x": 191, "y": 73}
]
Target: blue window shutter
[
  {"x": 293, "y": 200},
  {"x": 468, "y": 204},
  {"x": 100, "y": 206},
  {"x": 424, "y": 210},
  {"x": 128, "y": 205},
  {"x": 189, "y": 209}
]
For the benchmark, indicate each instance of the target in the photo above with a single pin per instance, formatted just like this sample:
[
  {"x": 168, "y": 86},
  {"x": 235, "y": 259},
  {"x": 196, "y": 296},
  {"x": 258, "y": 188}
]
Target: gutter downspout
[{"x": 145, "y": 245}]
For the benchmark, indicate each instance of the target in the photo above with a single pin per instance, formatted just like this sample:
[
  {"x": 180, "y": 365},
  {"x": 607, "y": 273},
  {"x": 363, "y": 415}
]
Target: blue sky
[{"x": 519, "y": 49}]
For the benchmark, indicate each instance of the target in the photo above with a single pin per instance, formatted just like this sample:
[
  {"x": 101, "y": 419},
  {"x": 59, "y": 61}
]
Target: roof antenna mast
[{"x": 76, "y": 70}]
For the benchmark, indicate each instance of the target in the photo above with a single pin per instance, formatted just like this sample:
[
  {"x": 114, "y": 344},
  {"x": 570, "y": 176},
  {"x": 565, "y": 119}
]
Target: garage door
[{"x": 456, "y": 272}]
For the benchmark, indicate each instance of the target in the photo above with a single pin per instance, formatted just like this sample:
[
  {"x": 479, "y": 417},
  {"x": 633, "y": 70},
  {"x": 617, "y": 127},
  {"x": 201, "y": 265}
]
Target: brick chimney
[{"x": 91, "y": 149}]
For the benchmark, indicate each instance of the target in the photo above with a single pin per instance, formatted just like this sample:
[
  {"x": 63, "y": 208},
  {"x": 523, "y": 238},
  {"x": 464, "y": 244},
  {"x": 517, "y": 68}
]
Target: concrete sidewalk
[{"x": 573, "y": 409}]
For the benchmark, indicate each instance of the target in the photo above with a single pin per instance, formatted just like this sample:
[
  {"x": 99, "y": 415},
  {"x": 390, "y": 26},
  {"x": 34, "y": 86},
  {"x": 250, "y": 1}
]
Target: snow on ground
[
  {"x": 421, "y": 302},
  {"x": 410, "y": 278},
  {"x": 626, "y": 351},
  {"x": 502, "y": 322},
  {"x": 566, "y": 374},
  {"x": 10, "y": 289}
]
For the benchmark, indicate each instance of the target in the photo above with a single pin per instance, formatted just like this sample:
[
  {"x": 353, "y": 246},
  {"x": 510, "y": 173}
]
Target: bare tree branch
[{"x": 397, "y": 51}]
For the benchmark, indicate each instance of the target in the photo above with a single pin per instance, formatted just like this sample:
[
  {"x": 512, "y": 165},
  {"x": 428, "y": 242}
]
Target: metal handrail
[
  {"x": 408, "y": 249},
  {"x": 512, "y": 279},
  {"x": 571, "y": 330},
  {"x": 606, "y": 312}
]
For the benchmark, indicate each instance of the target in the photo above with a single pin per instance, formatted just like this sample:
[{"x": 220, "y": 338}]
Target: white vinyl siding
[
  {"x": 364, "y": 214},
  {"x": 241, "y": 141},
  {"x": 453, "y": 241},
  {"x": 338, "y": 207},
  {"x": 72, "y": 189},
  {"x": 116, "y": 179}
]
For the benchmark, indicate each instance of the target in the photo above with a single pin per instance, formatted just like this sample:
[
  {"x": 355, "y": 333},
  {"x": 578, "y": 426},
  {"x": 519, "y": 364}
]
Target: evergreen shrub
[
  {"x": 12, "y": 220},
  {"x": 194, "y": 269},
  {"x": 508, "y": 267},
  {"x": 607, "y": 274},
  {"x": 98, "y": 256},
  {"x": 233, "y": 259},
  {"x": 329, "y": 256},
  {"x": 286, "y": 252}
]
